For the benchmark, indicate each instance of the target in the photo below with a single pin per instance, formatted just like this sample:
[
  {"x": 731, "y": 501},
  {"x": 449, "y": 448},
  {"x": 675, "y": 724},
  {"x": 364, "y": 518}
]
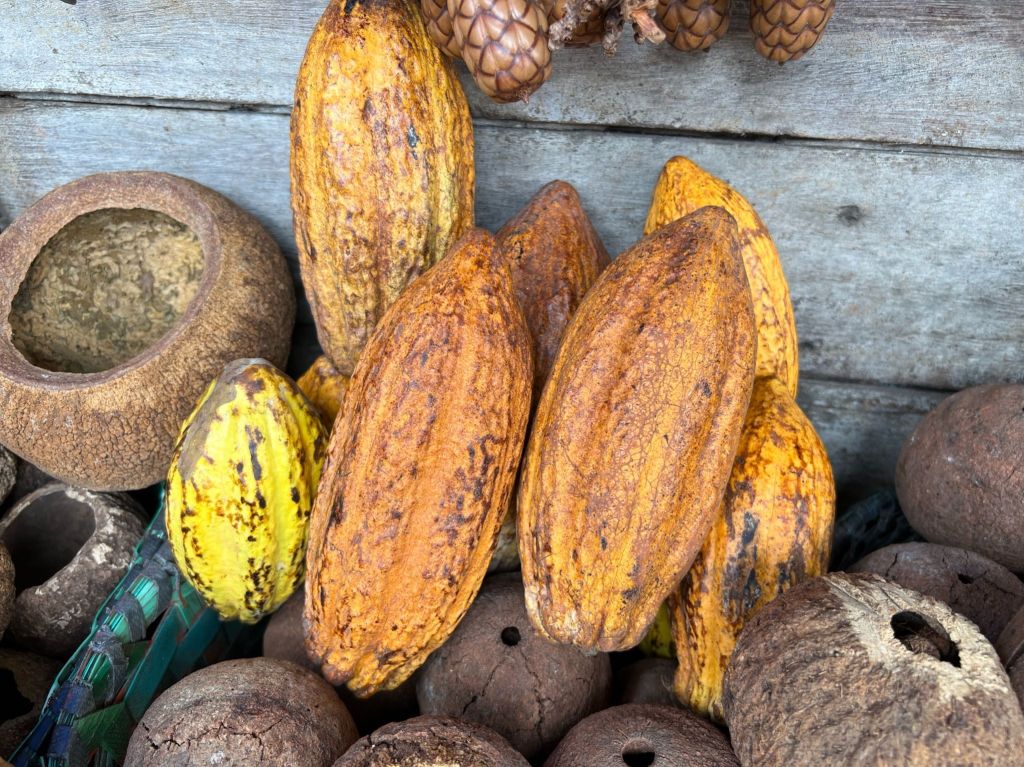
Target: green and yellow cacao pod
[
  {"x": 381, "y": 165},
  {"x": 241, "y": 487},
  {"x": 419, "y": 471},
  {"x": 634, "y": 437},
  {"x": 774, "y": 530}
]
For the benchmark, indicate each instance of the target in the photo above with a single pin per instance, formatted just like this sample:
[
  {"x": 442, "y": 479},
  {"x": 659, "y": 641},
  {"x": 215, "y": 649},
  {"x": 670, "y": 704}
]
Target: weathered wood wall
[{"x": 888, "y": 164}]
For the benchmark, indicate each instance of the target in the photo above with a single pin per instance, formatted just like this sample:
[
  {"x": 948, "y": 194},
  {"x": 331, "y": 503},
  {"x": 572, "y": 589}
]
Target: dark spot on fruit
[
  {"x": 604, "y": 543},
  {"x": 965, "y": 579},
  {"x": 705, "y": 388},
  {"x": 510, "y": 636},
  {"x": 630, "y": 594},
  {"x": 412, "y": 137}
]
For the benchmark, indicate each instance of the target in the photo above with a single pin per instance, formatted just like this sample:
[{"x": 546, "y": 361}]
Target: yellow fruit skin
[
  {"x": 381, "y": 165},
  {"x": 774, "y": 530},
  {"x": 240, "y": 489},
  {"x": 682, "y": 188},
  {"x": 325, "y": 387},
  {"x": 419, "y": 471},
  {"x": 658, "y": 642},
  {"x": 634, "y": 436}
]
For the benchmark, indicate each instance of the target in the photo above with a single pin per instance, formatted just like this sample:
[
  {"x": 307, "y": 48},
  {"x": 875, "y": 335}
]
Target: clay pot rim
[{"x": 176, "y": 197}]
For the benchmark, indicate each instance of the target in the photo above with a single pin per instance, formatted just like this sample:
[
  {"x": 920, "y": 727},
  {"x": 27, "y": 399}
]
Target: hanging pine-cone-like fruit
[
  {"x": 693, "y": 25},
  {"x": 439, "y": 26},
  {"x": 588, "y": 31},
  {"x": 505, "y": 45},
  {"x": 784, "y": 30}
]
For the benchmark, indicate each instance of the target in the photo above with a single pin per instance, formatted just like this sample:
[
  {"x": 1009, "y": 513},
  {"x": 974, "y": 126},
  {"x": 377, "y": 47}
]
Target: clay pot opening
[
  {"x": 37, "y": 551},
  {"x": 105, "y": 287},
  {"x": 638, "y": 753},
  {"x": 510, "y": 636},
  {"x": 12, "y": 703},
  {"x": 921, "y": 635}
]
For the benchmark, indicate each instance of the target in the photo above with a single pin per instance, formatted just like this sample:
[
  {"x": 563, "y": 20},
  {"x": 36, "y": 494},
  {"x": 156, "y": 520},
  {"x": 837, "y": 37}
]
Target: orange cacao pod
[
  {"x": 773, "y": 531},
  {"x": 784, "y": 30},
  {"x": 634, "y": 436},
  {"x": 682, "y": 188},
  {"x": 419, "y": 471}
]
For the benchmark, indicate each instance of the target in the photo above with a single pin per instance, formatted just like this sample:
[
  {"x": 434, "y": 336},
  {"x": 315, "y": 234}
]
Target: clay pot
[
  {"x": 25, "y": 681},
  {"x": 100, "y": 364},
  {"x": 70, "y": 548}
]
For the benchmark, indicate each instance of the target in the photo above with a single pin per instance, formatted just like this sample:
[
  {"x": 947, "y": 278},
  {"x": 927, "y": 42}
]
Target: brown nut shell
[
  {"x": 852, "y": 669},
  {"x": 634, "y": 436},
  {"x": 424, "y": 455},
  {"x": 784, "y": 30},
  {"x": 693, "y": 25},
  {"x": 505, "y": 45},
  {"x": 974, "y": 586},
  {"x": 114, "y": 426}
]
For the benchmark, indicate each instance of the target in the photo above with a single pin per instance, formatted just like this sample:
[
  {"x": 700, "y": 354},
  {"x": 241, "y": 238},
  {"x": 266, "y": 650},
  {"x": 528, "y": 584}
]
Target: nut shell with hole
[
  {"x": 638, "y": 735},
  {"x": 99, "y": 366},
  {"x": 852, "y": 669},
  {"x": 25, "y": 680},
  {"x": 70, "y": 547},
  {"x": 498, "y": 671}
]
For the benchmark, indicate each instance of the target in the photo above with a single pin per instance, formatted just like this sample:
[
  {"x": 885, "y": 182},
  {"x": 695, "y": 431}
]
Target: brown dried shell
[
  {"x": 635, "y": 434},
  {"x": 424, "y": 455},
  {"x": 505, "y": 45}
]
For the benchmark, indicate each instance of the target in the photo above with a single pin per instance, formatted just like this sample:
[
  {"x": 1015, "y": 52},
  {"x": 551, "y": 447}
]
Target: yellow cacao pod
[
  {"x": 774, "y": 530},
  {"x": 659, "y": 643},
  {"x": 325, "y": 388},
  {"x": 240, "y": 490},
  {"x": 682, "y": 188},
  {"x": 635, "y": 433},
  {"x": 419, "y": 471},
  {"x": 381, "y": 165}
]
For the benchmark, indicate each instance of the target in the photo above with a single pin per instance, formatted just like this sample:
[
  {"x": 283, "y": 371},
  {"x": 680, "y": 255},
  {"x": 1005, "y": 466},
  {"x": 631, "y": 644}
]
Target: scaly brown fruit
[
  {"x": 439, "y": 26},
  {"x": 419, "y": 471},
  {"x": 589, "y": 31},
  {"x": 773, "y": 531},
  {"x": 682, "y": 188},
  {"x": 505, "y": 45},
  {"x": 693, "y": 25},
  {"x": 784, "y": 30},
  {"x": 577, "y": 22},
  {"x": 325, "y": 387},
  {"x": 634, "y": 436},
  {"x": 381, "y": 166}
]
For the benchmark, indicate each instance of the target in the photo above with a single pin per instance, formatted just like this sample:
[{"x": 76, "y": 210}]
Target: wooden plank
[
  {"x": 905, "y": 267},
  {"x": 938, "y": 72}
]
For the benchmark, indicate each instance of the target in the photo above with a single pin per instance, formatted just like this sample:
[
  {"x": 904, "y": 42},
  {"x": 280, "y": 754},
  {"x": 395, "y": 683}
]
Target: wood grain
[
  {"x": 905, "y": 267},
  {"x": 940, "y": 72}
]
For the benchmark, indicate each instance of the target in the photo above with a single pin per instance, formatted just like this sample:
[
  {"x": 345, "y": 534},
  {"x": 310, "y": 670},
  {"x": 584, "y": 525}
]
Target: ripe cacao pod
[
  {"x": 504, "y": 44},
  {"x": 381, "y": 166},
  {"x": 633, "y": 440},
  {"x": 419, "y": 471},
  {"x": 784, "y": 30},
  {"x": 682, "y": 188},
  {"x": 240, "y": 489},
  {"x": 774, "y": 530},
  {"x": 555, "y": 256},
  {"x": 325, "y": 388}
]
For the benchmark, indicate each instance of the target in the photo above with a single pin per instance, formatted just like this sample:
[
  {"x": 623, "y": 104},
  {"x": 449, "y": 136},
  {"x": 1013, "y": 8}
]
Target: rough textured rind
[
  {"x": 974, "y": 586},
  {"x": 116, "y": 429},
  {"x": 784, "y": 30},
  {"x": 8, "y": 473},
  {"x": 244, "y": 712},
  {"x": 90, "y": 538},
  {"x": 497, "y": 671},
  {"x": 381, "y": 165},
  {"x": 555, "y": 255},
  {"x": 960, "y": 475},
  {"x": 819, "y": 676},
  {"x": 773, "y": 531},
  {"x": 682, "y": 188},
  {"x": 659, "y": 736},
  {"x": 647, "y": 681},
  {"x": 7, "y": 592},
  {"x": 325, "y": 388},
  {"x": 504, "y": 44},
  {"x": 240, "y": 490},
  {"x": 635, "y": 433},
  {"x": 1010, "y": 647},
  {"x": 419, "y": 471},
  {"x": 693, "y": 25},
  {"x": 31, "y": 677},
  {"x": 432, "y": 741}
]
